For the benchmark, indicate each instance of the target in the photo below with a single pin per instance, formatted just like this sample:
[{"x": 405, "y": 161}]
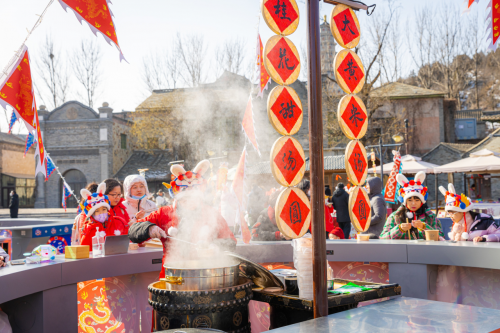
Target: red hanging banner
[
  {"x": 493, "y": 20},
  {"x": 264, "y": 77},
  {"x": 249, "y": 126},
  {"x": 17, "y": 91},
  {"x": 98, "y": 15}
]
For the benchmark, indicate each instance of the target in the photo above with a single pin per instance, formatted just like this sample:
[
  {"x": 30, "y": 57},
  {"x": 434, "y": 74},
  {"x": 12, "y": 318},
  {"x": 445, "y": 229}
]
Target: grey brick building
[{"x": 87, "y": 146}]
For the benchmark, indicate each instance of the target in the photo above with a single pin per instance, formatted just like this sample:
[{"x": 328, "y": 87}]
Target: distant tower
[{"x": 327, "y": 49}]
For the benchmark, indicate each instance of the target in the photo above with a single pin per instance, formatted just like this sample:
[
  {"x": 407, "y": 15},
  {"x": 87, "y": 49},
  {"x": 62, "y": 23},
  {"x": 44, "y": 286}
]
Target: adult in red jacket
[
  {"x": 114, "y": 191},
  {"x": 98, "y": 215},
  {"x": 188, "y": 219}
]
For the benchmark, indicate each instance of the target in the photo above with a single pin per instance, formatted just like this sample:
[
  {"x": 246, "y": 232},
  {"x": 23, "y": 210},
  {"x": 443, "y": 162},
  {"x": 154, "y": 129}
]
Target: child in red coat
[{"x": 97, "y": 215}]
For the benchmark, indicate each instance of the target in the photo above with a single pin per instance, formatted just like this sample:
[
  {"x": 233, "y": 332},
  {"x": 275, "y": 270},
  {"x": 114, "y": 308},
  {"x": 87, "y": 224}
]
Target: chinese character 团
[
  {"x": 351, "y": 69},
  {"x": 295, "y": 215},
  {"x": 287, "y": 111},
  {"x": 354, "y": 118},
  {"x": 281, "y": 7},
  {"x": 284, "y": 60}
]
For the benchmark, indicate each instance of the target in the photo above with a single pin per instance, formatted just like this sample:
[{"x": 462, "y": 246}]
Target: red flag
[
  {"x": 17, "y": 91},
  {"x": 249, "y": 126},
  {"x": 390, "y": 191},
  {"x": 98, "y": 15},
  {"x": 493, "y": 19},
  {"x": 264, "y": 78},
  {"x": 238, "y": 188}
]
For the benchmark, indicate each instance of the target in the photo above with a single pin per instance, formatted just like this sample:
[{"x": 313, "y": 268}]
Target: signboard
[
  {"x": 356, "y": 162},
  {"x": 288, "y": 163},
  {"x": 352, "y": 117},
  {"x": 284, "y": 110},
  {"x": 345, "y": 26},
  {"x": 281, "y": 16},
  {"x": 359, "y": 209},
  {"x": 282, "y": 60},
  {"x": 349, "y": 71},
  {"x": 293, "y": 213}
]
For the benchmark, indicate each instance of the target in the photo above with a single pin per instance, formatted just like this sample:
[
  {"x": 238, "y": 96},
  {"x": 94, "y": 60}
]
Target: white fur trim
[
  {"x": 172, "y": 231},
  {"x": 465, "y": 236},
  {"x": 117, "y": 233},
  {"x": 442, "y": 190},
  {"x": 402, "y": 180},
  {"x": 202, "y": 167},
  {"x": 177, "y": 170},
  {"x": 85, "y": 193}
]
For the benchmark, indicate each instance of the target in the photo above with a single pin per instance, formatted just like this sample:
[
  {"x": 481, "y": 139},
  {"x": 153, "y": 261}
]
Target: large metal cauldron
[
  {"x": 202, "y": 297},
  {"x": 195, "y": 275}
]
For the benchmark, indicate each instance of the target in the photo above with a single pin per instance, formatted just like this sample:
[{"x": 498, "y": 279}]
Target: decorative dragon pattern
[
  {"x": 25, "y": 95},
  {"x": 93, "y": 10},
  {"x": 101, "y": 307}
]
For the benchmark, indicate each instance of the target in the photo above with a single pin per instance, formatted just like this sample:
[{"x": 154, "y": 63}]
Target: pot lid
[{"x": 260, "y": 276}]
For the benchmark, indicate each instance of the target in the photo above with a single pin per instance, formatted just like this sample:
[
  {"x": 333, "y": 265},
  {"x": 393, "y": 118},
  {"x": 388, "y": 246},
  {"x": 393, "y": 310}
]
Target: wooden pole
[{"x": 320, "y": 300}]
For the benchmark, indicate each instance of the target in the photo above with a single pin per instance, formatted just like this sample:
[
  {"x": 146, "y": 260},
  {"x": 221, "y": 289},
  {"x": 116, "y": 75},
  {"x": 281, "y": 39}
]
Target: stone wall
[
  {"x": 12, "y": 160},
  {"x": 120, "y": 155}
]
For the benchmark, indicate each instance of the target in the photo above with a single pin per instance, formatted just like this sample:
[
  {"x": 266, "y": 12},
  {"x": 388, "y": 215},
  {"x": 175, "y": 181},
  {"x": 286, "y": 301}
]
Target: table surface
[
  {"x": 403, "y": 314},
  {"x": 26, "y": 279}
]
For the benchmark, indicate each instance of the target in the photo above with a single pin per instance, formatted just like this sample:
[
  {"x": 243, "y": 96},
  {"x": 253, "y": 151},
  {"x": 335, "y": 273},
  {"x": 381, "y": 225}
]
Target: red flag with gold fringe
[
  {"x": 238, "y": 188},
  {"x": 17, "y": 91},
  {"x": 99, "y": 17},
  {"x": 264, "y": 77}
]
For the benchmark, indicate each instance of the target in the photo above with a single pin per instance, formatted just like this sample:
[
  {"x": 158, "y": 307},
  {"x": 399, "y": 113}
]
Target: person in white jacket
[{"x": 136, "y": 193}]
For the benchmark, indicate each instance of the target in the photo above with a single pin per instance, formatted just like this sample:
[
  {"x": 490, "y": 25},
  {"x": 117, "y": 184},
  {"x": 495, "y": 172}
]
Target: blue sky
[{"x": 145, "y": 26}]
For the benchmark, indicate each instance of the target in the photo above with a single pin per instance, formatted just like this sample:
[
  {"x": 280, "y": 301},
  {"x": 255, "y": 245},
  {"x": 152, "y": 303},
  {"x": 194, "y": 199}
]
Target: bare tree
[
  {"x": 230, "y": 56},
  {"x": 392, "y": 61},
  {"x": 86, "y": 61},
  {"x": 162, "y": 69},
  {"x": 192, "y": 52},
  {"x": 473, "y": 44},
  {"x": 53, "y": 71},
  {"x": 422, "y": 39}
]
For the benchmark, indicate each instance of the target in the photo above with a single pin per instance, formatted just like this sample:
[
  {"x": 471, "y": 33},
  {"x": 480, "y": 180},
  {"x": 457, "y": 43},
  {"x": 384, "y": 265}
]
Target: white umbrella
[
  {"x": 411, "y": 165},
  {"x": 482, "y": 161}
]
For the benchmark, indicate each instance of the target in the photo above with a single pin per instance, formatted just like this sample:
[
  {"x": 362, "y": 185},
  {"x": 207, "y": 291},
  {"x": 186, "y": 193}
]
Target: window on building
[
  {"x": 153, "y": 143},
  {"x": 123, "y": 139},
  {"x": 25, "y": 189}
]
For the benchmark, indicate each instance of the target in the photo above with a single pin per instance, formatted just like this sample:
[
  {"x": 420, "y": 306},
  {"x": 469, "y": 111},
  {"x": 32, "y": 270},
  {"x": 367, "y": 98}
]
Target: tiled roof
[
  {"x": 491, "y": 142},
  {"x": 395, "y": 90},
  {"x": 156, "y": 161},
  {"x": 461, "y": 147},
  {"x": 12, "y": 138},
  {"x": 330, "y": 163}
]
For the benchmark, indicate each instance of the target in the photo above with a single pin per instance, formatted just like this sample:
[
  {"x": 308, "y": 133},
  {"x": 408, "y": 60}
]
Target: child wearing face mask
[
  {"x": 96, "y": 208},
  {"x": 136, "y": 192}
]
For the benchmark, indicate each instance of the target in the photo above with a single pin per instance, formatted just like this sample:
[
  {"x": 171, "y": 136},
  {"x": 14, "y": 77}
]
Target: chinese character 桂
[
  {"x": 284, "y": 60},
  {"x": 287, "y": 111},
  {"x": 281, "y": 8}
]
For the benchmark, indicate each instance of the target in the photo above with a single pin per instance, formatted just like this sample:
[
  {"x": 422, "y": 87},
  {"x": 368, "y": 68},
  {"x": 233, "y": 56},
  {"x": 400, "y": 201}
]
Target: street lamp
[{"x": 398, "y": 138}]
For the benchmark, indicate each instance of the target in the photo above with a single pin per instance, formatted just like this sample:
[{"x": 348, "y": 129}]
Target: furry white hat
[
  {"x": 95, "y": 200},
  {"x": 187, "y": 179},
  {"x": 412, "y": 188},
  {"x": 456, "y": 202}
]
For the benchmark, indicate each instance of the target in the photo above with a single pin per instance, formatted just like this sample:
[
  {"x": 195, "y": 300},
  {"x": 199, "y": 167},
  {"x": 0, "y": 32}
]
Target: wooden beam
[
  {"x": 353, "y": 5},
  {"x": 320, "y": 300}
]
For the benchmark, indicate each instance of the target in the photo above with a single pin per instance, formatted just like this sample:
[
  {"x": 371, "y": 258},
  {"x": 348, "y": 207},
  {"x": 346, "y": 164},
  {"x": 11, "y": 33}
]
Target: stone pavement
[{"x": 40, "y": 213}]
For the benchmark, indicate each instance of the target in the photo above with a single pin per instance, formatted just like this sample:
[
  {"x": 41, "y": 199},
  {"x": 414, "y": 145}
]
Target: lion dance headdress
[{"x": 185, "y": 180}]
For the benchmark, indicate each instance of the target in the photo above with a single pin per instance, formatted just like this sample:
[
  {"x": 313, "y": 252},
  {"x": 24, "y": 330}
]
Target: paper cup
[
  {"x": 363, "y": 238},
  {"x": 432, "y": 235}
]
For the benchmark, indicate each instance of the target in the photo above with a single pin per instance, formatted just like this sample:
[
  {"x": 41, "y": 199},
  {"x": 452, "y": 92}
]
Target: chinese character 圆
[
  {"x": 290, "y": 162},
  {"x": 358, "y": 162},
  {"x": 295, "y": 215},
  {"x": 346, "y": 25},
  {"x": 284, "y": 60},
  {"x": 351, "y": 69},
  {"x": 362, "y": 210},
  {"x": 281, "y": 8},
  {"x": 354, "y": 118},
  {"x": 287, "y": 111}
]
